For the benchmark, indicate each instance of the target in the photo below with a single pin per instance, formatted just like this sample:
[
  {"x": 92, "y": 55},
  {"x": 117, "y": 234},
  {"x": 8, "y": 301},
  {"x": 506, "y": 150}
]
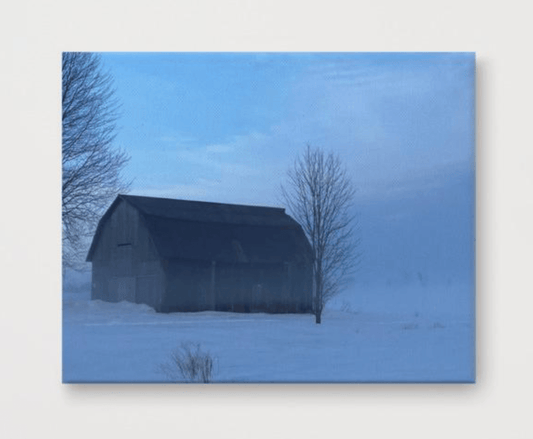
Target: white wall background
[{"x": 34, "y": 403}]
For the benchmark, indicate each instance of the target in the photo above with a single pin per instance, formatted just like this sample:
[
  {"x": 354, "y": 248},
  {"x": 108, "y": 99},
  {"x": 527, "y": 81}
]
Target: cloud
[
  {"x": 421, "y": 182},
  {"x": 239, "y": 155},
  {"x": 186, "y": 192},
  {"x": 176, "y": 139},
  {"x": 244, "y": 170},
  {"x": 393, "y": 123},
  {"x": 219, "y": 148}
]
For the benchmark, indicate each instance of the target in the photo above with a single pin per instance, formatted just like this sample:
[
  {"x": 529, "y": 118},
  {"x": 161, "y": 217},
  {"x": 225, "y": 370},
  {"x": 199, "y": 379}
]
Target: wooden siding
[
  {"x": 197, "y": 286},
  {"x": 125, "y": 262}
]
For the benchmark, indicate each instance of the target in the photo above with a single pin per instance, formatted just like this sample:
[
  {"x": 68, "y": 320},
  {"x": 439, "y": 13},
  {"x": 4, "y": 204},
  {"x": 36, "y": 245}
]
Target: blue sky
[{"x": 225, "y": 127}]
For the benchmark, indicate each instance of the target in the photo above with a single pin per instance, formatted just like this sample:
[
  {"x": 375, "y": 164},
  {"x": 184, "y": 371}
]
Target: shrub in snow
[{"x": 188, "y": 363}]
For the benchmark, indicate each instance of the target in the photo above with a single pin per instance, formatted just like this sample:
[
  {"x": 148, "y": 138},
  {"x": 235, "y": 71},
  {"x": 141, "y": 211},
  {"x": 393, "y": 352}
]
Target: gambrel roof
[{"x": 196, "y": 230}]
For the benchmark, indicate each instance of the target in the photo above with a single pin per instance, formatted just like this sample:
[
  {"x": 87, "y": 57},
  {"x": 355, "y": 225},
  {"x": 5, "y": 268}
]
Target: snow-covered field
[{"x": 410, "y": 334}]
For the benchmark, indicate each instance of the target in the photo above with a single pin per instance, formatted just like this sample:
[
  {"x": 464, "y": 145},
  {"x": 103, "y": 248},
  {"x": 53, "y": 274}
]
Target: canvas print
[{"x": 268, "y": 217}]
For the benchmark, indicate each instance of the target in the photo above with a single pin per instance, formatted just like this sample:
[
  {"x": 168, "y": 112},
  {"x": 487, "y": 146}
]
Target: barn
[{"x": 178, "y": 256}]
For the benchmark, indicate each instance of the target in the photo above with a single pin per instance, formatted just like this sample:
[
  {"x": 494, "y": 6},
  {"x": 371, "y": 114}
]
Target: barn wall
[
  {"x": 302, "y": 288},
  {"x": 188, "y": 286},
  {"x": 197, "y": 286},
  {"x": 125, "y": 262},
  {"x": 247, "y": 288}
]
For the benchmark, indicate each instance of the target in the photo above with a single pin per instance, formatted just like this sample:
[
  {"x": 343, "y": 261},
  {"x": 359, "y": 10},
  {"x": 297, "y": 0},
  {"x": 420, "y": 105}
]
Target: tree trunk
[
  {"x": 319, "y": 305},
  {"x": 318, "y": 310}
]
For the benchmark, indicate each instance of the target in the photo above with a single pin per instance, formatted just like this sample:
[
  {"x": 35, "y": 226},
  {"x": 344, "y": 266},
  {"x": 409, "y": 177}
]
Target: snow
[{"x": 408, "y": 334}]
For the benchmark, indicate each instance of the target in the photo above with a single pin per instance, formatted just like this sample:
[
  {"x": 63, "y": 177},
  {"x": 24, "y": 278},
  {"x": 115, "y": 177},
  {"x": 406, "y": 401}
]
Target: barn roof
[
  {"x": 214, "y": 231},
  {"x": 210, "y": 212}
]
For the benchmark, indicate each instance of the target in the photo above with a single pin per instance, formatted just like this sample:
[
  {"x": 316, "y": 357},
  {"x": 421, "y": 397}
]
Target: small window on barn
[{"x": 123, "y": 244}]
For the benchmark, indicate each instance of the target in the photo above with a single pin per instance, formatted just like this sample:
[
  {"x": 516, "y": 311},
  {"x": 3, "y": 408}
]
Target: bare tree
[
  {"x": 91, "y": 166},
  {"x": 319, "y": 195}
]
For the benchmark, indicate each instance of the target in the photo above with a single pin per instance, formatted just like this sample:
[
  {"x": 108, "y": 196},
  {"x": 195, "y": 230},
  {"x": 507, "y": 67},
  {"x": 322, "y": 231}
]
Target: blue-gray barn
[{"x": 177, "y": 255}]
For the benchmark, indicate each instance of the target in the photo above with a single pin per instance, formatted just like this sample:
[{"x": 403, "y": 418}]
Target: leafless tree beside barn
[
  {"x": 91, "y": 166},
  {"x": 319, "y": 195}
]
